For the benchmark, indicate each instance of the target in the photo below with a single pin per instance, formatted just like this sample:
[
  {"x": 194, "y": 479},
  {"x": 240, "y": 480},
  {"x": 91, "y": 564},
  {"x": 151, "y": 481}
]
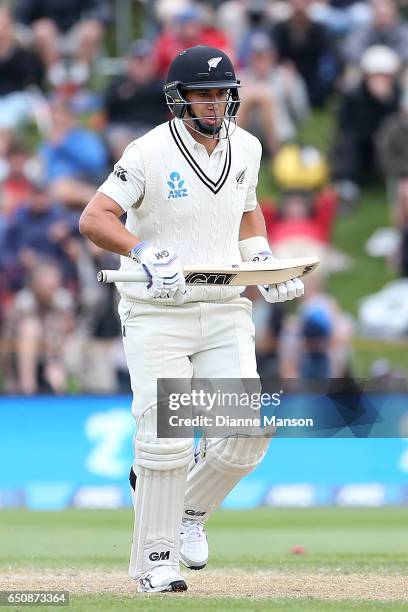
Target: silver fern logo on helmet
[{"x": 213, "y": 62}]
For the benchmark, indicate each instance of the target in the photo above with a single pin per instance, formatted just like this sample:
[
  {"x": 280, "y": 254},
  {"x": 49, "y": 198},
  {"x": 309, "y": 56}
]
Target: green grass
[
  {"x": 335, "y": 539},
  {"x": 83, "y": 604},
  {"x": 331, "y": 536}
]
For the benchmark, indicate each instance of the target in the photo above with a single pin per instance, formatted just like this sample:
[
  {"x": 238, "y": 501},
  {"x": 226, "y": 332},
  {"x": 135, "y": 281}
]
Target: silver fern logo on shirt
[
  {"x": 240, "y": 177},
  {"x": 176, "y": 184}
]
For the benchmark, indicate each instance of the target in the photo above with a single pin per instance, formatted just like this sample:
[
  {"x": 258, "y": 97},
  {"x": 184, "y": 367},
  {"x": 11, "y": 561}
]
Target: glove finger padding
[
  {"x": 291, "y": 289},
  {"x": 171, "y": 281},
  {"x": 300, "y": 287},
  {"x": 157, "y": 283},
  {"x": 282, "y": 292},
  {"x": 157, "y": 293},
  {"x": 180, "y": 296},
  {"x": 269, "y": 292}
]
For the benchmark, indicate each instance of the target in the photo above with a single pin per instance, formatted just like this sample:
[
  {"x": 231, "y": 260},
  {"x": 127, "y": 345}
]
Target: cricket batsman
[{"x": 189, "y": 190}]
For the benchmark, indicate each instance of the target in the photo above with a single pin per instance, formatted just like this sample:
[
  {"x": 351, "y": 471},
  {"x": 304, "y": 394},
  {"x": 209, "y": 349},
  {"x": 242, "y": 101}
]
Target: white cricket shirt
[{"x": 176, "y": 195}]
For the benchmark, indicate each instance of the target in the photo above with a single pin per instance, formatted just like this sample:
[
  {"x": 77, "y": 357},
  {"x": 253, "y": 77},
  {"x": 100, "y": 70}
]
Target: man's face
[
  {"x": 385, "y": 13},
  {"x": 380, "y": 86},
  {"x": 261, "y": 63},
  {"x": 209, "y": 106},
  {"x": 300, "y": 6},
  {"x": 6, "y": 29},
  {"x": 188, "y": 31},
  {"x": 63, "y": 119},
  {"x": 39, "y": 202},
  {"x": 142, "y": 69},
  {"x": 45, "y": 283}
]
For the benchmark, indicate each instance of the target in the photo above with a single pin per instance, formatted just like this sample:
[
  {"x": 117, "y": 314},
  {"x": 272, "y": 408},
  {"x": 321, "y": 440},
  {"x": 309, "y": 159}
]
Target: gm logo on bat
[{"x": 208, "y": 278}]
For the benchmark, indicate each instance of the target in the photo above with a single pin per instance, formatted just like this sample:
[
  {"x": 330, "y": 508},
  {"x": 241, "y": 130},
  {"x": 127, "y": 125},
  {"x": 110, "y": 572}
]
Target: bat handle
[{"x": 118, "y": 276}]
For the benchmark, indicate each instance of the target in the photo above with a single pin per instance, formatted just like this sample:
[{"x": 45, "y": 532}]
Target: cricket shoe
[
  {"x": 193, "y": 544},
  {"x": 161, "y": 579}
]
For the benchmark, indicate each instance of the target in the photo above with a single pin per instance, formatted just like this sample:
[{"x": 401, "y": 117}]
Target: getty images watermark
[
  {"x": 317, "y": 408},
  {"x": 222, "y": 407},
  {"x": 212, "y": 402}
]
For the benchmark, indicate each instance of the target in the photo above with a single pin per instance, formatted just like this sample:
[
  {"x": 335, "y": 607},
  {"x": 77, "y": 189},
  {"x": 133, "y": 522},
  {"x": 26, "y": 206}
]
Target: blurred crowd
[{"x": 64, "y": 121}]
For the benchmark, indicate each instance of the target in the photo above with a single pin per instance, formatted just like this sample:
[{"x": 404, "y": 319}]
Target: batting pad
[
  {"x": 160, "y": 467},
  {"x": 221, "y": 465}
]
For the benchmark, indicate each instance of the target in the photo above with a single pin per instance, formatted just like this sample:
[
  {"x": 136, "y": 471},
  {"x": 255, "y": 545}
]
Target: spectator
[
  {"x": 74, "y": 158},
  {"x": 16, "y": 188},
  {"x": 233, "y": 18},
  {"x": 317, "y": 341},
  {"x": 386, "y": 29},
  {"x": 33, "y": 233},
  {"x": 19, "y": 70},
  {"x": 268, "y": 320},
  {"x": 362, "y": 112},
  {"x": 75, "y": 27},
  {"x": 301, "y": 224},
  {"x": 308, "y": 46},
  {"x": 185, "y": 30},
  {"x": 403, "y": 225},
  {"x": 37, "y": 325},
  {"x": 92, "y": 351},
  {"x": 342, "y": 16},
  {"x": 392, "y": 143},
  {"x": 258, "y": 24},
  {"x": 316, "y": 330},
  {"x": 274, "y": 97},
  {"x": 392, "y": 147},
  {"x": 134, "y": 101}
]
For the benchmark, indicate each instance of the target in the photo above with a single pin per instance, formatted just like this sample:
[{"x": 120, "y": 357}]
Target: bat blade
[
  {"x": 248, "y": 273},
  {"x": 243, "y": 274}
]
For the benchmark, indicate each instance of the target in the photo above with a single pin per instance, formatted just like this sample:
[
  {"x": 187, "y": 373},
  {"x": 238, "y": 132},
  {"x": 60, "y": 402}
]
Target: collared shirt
[
  {"x": 130, "y": 192},
  {"x": 179, "y": 197},
  {"x": 210, "y": 164}
]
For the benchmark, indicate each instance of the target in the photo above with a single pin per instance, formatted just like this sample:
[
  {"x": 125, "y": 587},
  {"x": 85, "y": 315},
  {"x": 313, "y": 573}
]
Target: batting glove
[
  {"x": 282, "y": 291},
  {"x": 164, "y": 271}
]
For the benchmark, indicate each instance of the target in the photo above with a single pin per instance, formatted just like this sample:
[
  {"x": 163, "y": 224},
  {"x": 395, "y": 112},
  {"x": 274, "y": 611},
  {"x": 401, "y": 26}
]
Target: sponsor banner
[
  {"x": 299, "y": 495},
  {"x": 58, "y": 452},
  {"x": 100, "y": 496},
  {"x": 11, "y": 498}
]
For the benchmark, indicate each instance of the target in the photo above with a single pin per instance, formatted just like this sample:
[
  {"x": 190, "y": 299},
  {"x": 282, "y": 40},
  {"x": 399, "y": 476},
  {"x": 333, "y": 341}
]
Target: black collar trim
[{"x": 216, "y": 186}]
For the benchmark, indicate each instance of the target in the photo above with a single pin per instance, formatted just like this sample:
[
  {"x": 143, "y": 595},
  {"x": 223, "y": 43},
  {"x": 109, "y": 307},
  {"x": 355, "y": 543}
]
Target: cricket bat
[{"x": 243, "y": 273}]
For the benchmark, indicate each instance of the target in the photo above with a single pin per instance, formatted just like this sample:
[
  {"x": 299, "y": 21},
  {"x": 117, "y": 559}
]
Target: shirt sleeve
[
  {"x": 126, "y": 183},
  {"x": 251, "y": 201}
]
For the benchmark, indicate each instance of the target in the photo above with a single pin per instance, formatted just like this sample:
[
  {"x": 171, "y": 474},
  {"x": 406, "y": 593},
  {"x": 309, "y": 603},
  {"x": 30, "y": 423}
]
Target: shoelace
[{"x": 193, "y": 529}]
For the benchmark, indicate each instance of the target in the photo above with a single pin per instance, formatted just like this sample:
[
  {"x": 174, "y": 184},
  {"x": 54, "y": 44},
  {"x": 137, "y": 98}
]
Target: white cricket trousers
[
  {"x": 202, "y": 340},
  {"x": 198, "y": 339}
]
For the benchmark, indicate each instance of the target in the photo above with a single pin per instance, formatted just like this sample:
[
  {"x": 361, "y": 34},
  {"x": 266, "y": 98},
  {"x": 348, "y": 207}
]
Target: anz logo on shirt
[{"x": 176, "y": 187}]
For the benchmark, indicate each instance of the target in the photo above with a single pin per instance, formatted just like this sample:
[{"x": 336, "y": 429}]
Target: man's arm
[
  {"x": 252, "y": 224},
  {"x": 100, "y": 222},
  {"x": 253, "y": 240}
]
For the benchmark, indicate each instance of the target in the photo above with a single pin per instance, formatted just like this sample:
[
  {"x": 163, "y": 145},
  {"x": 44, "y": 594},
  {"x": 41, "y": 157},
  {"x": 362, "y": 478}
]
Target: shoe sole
[
  {"x": 177, "y": 586},
  {"x": 192, "y": 567}
]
